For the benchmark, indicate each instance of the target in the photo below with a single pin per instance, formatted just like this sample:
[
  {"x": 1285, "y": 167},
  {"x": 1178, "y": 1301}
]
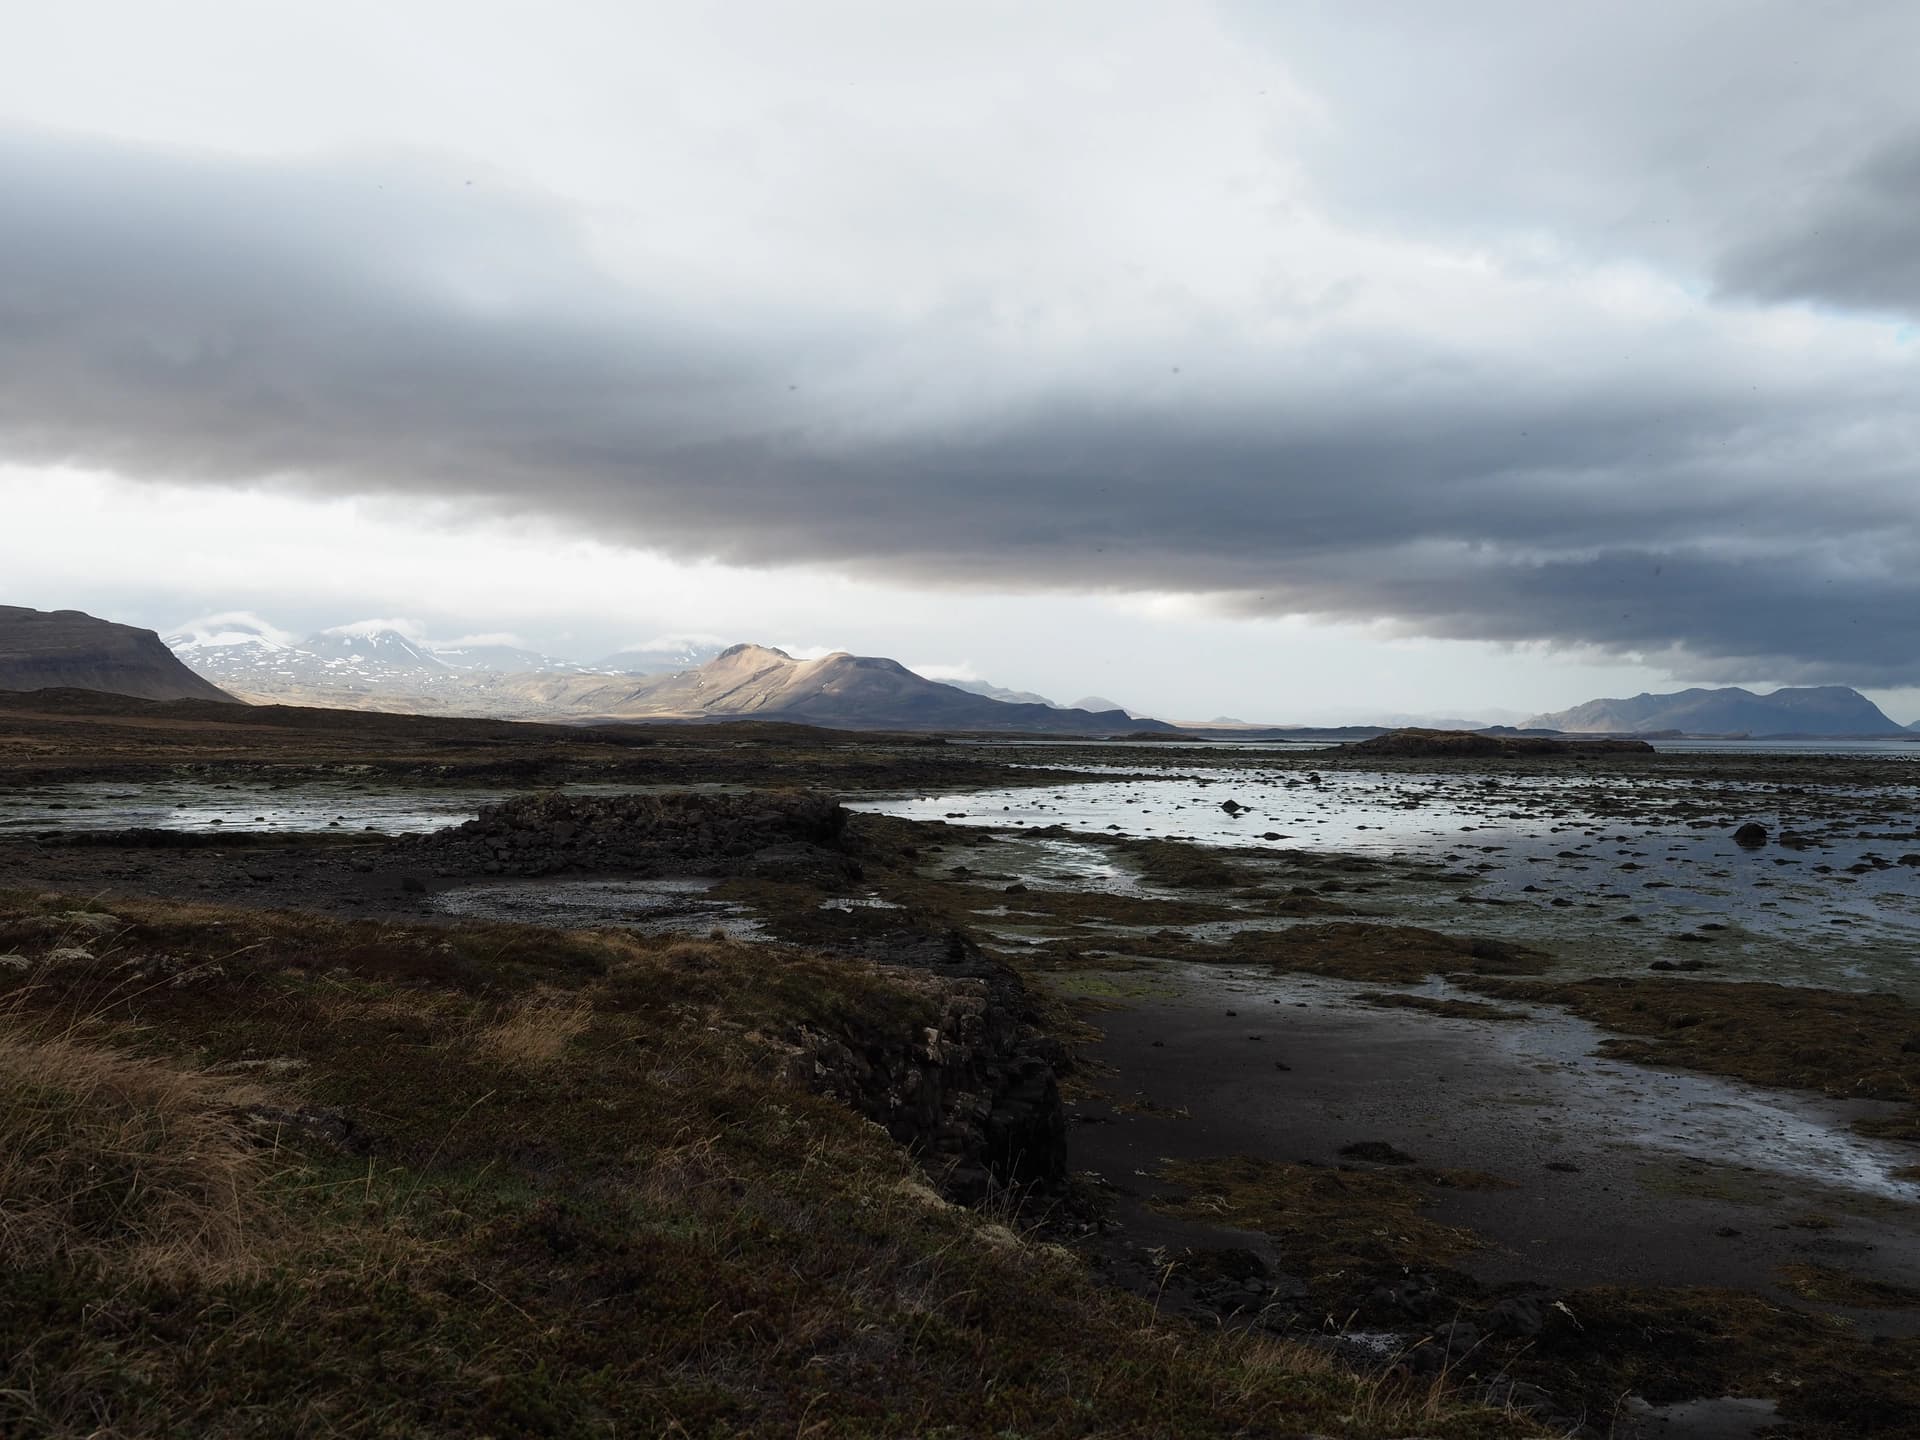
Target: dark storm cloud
[
  {"x": 1852, "y": 240},
  {"x": 363, "y": 328}
]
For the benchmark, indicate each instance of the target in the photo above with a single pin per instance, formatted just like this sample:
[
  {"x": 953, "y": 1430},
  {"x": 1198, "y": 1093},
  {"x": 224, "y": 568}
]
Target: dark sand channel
[{"x": 1622, "y": 1174}]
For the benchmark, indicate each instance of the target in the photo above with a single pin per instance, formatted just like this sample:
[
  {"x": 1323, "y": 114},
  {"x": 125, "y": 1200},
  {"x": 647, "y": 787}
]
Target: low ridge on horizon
[{"x": 1815, "y": 710}]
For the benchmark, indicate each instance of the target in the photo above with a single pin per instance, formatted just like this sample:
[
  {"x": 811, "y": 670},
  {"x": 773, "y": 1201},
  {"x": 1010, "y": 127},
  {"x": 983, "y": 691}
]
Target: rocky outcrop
[
  {"x": 770, "y": 834},
  {"x": 973, "y": 1094},
  {"x": 70, "y": 650}
]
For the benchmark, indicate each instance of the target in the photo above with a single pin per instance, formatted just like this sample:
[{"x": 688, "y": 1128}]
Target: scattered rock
[
  {"x": 1751, "y": 835},
  {"x": 1522, "y": 1315}
]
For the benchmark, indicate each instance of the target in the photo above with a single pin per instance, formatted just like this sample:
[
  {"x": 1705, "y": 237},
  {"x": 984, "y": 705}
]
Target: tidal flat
[{"x": 1520, "y": 1076}]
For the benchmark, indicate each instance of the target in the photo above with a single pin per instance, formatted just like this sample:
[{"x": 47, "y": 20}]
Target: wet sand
[{"x": 1623, "y": 1175}]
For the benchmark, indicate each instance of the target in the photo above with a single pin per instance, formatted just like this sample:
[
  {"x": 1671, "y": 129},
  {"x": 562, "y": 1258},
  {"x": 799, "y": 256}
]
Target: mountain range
[
  {"x": 372, "y": 666},
  {"x": 68, "y": 649},
  {"x": 847, "y": 691},
  {"x": 369, "y": 667},
  {"x": 1805, "y": 710}
]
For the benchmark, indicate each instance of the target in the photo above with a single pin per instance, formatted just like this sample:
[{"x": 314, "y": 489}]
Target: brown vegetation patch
[
  {"x": 1181, "y": 865},
  {"x": 134, "y": 1163},
  {"x": 1385, "y": 954},
  {"x": 1683, "y": 1344},
  {"x": 534, "y": 1032},
  {"x": 1346, "y": 950},
  {"x": 648, "y": 1218},
  {"x": 1439, "y": 1005},
  {"x": 1825, "y": 1285},
  {"x": 1326, "y": 1219}
]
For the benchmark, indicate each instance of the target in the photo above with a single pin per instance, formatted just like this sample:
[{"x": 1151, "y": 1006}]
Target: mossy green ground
[{"x": 505, "y": 1181}]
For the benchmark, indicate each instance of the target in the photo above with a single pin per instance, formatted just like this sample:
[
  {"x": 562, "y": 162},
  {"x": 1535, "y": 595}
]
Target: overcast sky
[{"x": 1292, "y": 361}]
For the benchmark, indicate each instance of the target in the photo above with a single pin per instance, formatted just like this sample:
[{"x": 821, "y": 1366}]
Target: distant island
[
  {"x": 1818, "y": 710},
  {"x": 1480, "y": 743}
]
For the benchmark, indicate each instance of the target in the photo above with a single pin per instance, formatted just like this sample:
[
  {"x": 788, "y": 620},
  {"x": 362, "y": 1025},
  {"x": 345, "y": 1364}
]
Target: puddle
[
  {"x": 1728, "y": 1418},
  {"x": 293, "y": 806},
  {"x": 649, "y": 907},
  {"x": 304, "y": 807}
]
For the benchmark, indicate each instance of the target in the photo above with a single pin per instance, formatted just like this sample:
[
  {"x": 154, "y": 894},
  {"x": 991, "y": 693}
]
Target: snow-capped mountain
[
  {"x": 246, "y": 654},
  {"x": 233, "y": 650},
  {"x": 369, "y": 665},
  {"x": 388, "y": 665},
  {"x": 371, "y": 651}
]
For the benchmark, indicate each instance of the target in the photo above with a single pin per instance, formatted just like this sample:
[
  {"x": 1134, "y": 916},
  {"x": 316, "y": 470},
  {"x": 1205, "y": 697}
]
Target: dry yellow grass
[
  {"x": 536, "y": 1032},
  {"x": 135, "y": 1163}
]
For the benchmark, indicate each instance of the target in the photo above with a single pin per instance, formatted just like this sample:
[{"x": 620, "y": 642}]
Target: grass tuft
[
  {"x": 130, "y": 1162},
  {"x": 533, "y": 1033}
]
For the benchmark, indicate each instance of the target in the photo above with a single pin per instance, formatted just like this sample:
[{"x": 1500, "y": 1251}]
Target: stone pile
[{"x": 772, "y": 834}]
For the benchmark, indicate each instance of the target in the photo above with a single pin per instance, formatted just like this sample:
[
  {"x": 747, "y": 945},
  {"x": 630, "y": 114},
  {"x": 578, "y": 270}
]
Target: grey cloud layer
[
  {"x": 1769, "y": 145},
  {"x": 388, "y": 328},
  {"x": 1853, "y": 240}
]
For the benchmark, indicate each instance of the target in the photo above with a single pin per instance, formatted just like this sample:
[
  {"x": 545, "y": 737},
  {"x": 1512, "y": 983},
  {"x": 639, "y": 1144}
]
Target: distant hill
[
  {"x": 1001, "y": 692},
  {"x": 1806, "y": 710},
  {"x": 68, "y": 649},
  {"x": 861, "y": 692},
  {"x": 1439, "y": 744},
  {"x": 1098, "y": 703}
]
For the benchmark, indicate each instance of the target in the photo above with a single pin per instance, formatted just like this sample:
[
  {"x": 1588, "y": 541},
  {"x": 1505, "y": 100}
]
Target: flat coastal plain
[{"x": 1520, "y": 1085}]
